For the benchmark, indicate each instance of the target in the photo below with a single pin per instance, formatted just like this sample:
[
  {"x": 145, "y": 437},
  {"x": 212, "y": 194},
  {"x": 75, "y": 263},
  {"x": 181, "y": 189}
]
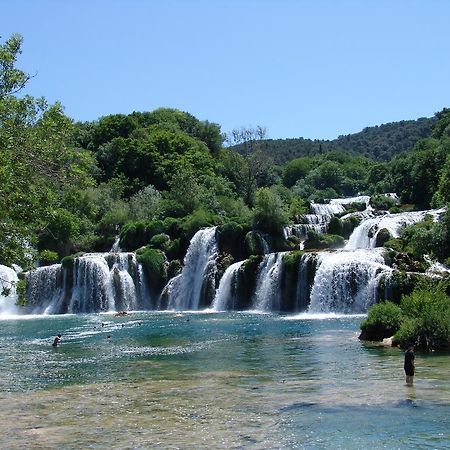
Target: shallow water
[{"x": 213, "y": 380}]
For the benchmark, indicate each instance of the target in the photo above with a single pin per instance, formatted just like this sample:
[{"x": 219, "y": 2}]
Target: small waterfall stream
[
  {"x": 267, "y": 293},
  {"x": 8, "y": 296},
  {"x": 185, "y": 290},
  {"x": 226, "y": 293}
]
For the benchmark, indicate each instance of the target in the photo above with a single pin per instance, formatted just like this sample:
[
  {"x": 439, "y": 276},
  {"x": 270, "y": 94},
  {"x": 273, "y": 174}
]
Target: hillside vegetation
[{"x": 378, "y": 142}]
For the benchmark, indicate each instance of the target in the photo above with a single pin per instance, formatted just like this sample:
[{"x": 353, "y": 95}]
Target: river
[{"x": 213, "y": 380}]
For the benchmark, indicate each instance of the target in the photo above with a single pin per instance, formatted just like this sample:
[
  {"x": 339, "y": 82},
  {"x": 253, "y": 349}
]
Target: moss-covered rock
[
  {"x": 254, "y": 243},
  {"x": 348, "y": 225},
  {"x": 382, "y": 237},
  {"x": 246, "y": 281},
  {"x": 318, "y": 241},
  {"x": 155, "y": 266},
  {"x": 291, "y": 264},
  {"x": 174, "y": 268},
  {"x": 335, "y": 226},
  {"x": 223, "y": 261}
]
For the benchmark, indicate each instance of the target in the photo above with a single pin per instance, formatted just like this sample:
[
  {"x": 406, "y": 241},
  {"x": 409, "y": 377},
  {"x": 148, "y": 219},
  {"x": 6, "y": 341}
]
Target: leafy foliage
[{"x": 422, "y": 319}]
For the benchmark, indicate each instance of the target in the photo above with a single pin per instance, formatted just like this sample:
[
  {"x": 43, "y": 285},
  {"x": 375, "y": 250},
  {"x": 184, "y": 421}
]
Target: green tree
[{"x": 37, "y": 162}]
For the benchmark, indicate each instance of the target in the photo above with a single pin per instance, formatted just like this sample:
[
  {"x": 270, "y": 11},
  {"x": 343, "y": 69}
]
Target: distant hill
[{"x": 379, "y": 142}]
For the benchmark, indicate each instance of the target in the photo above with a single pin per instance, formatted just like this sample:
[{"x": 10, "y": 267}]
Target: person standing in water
[
  {"x": 57, "y": 341},
  {"x": 409, "y": 364}
]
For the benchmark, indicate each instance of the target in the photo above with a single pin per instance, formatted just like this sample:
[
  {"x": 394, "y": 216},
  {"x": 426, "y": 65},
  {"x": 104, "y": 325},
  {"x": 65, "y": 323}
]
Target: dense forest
[{"x": 379, "y": 142}]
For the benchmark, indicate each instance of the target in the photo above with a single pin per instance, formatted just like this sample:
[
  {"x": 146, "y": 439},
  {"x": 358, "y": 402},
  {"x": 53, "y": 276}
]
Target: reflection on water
[{"x": 227, "y": 380}]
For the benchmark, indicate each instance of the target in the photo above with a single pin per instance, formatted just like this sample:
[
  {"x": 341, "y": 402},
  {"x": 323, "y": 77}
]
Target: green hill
[{"x": 379, "y": 142}]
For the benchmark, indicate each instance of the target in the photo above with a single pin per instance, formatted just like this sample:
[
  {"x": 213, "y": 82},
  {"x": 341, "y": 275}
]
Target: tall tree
[{"x": 36, "y": 161}]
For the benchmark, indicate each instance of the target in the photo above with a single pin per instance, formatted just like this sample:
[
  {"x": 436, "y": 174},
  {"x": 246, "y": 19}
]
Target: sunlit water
[{"x": 213, "y": 380}]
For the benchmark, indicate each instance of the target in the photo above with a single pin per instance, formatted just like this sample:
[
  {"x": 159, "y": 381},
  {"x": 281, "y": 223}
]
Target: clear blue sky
[{"x": 314, "y": 68}]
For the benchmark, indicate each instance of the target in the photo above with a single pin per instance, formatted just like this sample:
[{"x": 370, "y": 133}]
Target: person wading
[{"x": 409, "y": 364}]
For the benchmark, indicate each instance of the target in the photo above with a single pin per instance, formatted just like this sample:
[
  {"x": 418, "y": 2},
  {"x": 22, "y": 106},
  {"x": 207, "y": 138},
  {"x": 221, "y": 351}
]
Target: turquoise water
[{"x": 213, "y": 380}]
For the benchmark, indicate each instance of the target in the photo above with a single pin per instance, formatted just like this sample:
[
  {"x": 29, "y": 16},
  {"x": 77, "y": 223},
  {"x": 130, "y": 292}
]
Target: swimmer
[{"x": 56, "y": 341}]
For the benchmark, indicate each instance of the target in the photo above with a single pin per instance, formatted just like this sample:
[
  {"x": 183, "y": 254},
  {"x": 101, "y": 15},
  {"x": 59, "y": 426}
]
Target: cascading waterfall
[
  {"x": 8, "y": 296},
  {"x": 306, "y": 266},
  {"x": 226, "y": 293},
  {"x": 342, "y": 281},
  {"x": 46, "y": 289},
  {"x": 97, "y": 282},
  {"x": 349, "y": 200},
  {"x": 185, "y": 291},
  {"x": 346, "y": 281},
  {"x": 327, "y": 209},
  {"x": 267, "y": 294},
  {"x": 365, "y": 234}
]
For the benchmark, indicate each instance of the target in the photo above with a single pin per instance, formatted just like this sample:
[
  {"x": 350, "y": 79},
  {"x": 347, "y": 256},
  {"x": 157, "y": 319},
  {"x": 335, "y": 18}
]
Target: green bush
[
  {"x": 427, "y": 312},
  {"x": 200, "y": 218},
  {"x": 160, "y": 241},
  {"x": 47, "y": 257},
  {"x": 383, "y": 320},
  {"x": 382, "y": 202},
  {"x": 230, "y": 237},
  {"x": 382, "y": 236},
  {"x": 68, "y": 261},
  {"x": 138, "y": 234},
  {"x": 348, "y": 225},
  {"x": 422, "y": 318},
  {"x": 292, "y": 259}
]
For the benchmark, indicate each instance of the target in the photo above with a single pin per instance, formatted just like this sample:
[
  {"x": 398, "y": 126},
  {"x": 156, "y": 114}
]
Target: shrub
[
  {"x": 348, "y": 225},
  {"x": 422, "y": 318},
  {"x": 383, "y": 202},
  {"x": 47, "y": 257},
  {"x": 382, "y": 236},
  {"x": 292, "y": 259},
  {"x": 427, "y": 312},
  {"x": 200, "y": 218},
  {"x": 383, "y": 320},
  {"x": 160, "y": 241}
]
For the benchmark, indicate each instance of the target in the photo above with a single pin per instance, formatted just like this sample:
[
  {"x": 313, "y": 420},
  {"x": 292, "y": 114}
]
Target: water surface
[{"x": 213, "y": 380}]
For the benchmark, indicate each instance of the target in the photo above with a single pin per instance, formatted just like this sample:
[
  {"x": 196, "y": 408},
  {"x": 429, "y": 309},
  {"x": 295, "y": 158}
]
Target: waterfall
[
  {"x": 267, "y": 293},
  {"x": 327, "y": 209},
  {"x": 97, "y": 282},
  {"x": 365, "y": 234},
  {"x": 107, "y": 282},
  {"x": 226, "y": 293},
  {"x": 8, "y": 296},
  {"x": 46, "y": 289},
  {"x": 346, "y": 281},
  {"x": 306, "y": 268},
  {"x": 349, "y": 200},
  {"x": 116, "y": 247},
  {"x": 185, "y": 291}
]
